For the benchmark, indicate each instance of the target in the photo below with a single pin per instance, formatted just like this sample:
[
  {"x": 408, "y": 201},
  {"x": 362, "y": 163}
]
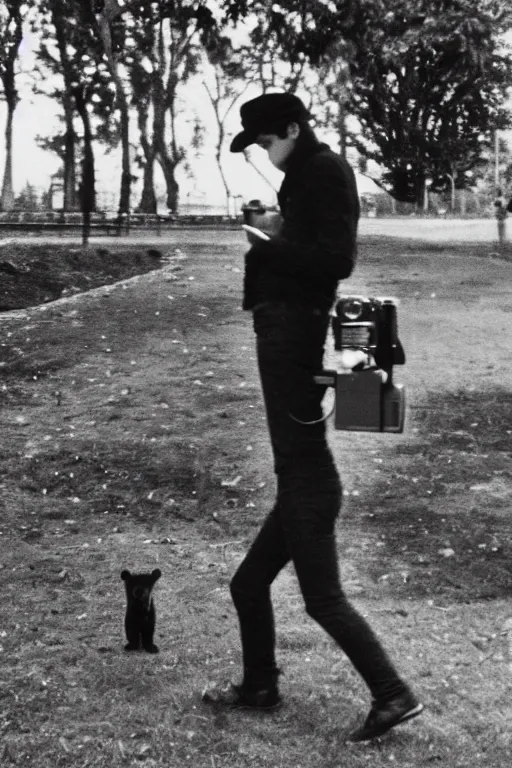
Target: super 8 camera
[{"x": 366, "y": 336}]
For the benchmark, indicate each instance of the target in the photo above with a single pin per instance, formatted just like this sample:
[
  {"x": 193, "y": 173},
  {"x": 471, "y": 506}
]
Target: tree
[
  {"x": 147, "y": 67},
  {"x": 78, "y": 46},
  {"x": 72, "y": 49},
  {"x": 423, "y": 113},
  {"x": 51, "y": 22},
  {"x": 333, "y": 89},
  {"x": 423, "y": 76},
  {"x": 165, "y": 41},
  {"x": 27, "y": 200},
  {"x": 12, "y": 14},
  {"x": 267, "y": 61},
  {"x": 229, "y": 83},
  {"x": 107, "y": 14}
]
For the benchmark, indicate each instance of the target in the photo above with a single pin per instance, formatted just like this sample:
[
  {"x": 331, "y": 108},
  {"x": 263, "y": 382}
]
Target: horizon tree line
[{"x": 426, "y": 85}]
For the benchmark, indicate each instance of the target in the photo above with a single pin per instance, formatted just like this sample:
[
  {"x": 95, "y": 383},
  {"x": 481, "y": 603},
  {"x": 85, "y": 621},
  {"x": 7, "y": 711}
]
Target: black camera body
[{"x": 366, "y": 335}]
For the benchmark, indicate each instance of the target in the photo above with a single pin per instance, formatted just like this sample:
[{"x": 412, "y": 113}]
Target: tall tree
[
  {"x": 424, "y": 111},
  {"x": 420, "y": 74},
  {"x": 147, "y": 67},
  {"x": 167, "y": 37},
  {"x": 107, "y": 20},
  {"x": 51, "y": 23},
  {"x": 27, "y": 200},
  {"x": 226, "y": 85},
  {"x": 332, "y": 75},
  {"x": 72, "y": 50},
  {"x": 12, "y": 14}
]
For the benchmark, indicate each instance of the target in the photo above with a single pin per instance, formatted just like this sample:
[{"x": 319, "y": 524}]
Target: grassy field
[{"x": 134, "y": 437}]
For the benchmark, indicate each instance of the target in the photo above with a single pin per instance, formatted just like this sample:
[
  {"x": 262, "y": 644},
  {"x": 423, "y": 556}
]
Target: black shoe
[
  {"x": 384, "y": 716},
  {"x": 238, "y": 697}
]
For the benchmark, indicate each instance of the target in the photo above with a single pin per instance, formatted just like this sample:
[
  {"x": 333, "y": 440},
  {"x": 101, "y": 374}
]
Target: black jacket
[{"x": 316, "y": 245}]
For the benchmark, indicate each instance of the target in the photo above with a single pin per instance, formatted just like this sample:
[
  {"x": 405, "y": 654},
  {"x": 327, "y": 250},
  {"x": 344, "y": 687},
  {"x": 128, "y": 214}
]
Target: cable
[{"x": 316, "y": 421}]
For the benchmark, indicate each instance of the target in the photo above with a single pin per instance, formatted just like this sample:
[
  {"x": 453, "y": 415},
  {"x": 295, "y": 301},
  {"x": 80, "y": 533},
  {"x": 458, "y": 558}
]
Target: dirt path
[{"x": 134, "y": 436}]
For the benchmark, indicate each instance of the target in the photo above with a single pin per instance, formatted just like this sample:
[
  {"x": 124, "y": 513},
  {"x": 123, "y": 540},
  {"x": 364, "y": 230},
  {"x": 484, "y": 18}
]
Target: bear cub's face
[{"x": 139, "y": 587}]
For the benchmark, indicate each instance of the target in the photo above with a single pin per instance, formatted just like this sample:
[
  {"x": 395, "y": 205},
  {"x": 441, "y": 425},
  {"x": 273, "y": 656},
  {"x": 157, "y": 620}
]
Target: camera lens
[{"x": 352, "y": 309}]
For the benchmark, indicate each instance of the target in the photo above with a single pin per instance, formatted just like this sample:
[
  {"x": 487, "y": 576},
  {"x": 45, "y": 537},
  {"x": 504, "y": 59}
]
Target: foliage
[
  {"x": 427, "y": 80},
  {"x": 27, "y": 200},
  {"x": 227, "y": 66},
  {"x": 162, "y": 52},
  {"x": 429, "y": 112},
  {"x": 77, "y": 59},
  {"x": 12, "y": 13}
]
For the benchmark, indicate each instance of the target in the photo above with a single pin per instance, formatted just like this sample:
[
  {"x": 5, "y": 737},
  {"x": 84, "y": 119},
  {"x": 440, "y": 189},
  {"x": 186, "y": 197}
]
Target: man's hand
[{"x": 255, "y": 235}]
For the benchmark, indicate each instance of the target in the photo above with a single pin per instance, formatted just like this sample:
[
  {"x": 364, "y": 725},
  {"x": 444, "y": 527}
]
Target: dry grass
[{"x": 116, "y": 443}]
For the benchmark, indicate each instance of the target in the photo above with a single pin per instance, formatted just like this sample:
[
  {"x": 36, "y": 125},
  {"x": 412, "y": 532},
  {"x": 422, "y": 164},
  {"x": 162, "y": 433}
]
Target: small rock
[{"x": 447, "y": 552}]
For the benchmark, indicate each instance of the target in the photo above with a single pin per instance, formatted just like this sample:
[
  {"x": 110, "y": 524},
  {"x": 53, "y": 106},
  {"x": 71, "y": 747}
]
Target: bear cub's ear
[{"x": 155, "y": 575}]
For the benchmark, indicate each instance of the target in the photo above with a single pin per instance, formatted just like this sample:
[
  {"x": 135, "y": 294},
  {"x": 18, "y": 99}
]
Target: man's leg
[
  {"x": 315, "y": 557},
  {"x": 308, "y": 523},
  {"x": 250, "y": 590}
]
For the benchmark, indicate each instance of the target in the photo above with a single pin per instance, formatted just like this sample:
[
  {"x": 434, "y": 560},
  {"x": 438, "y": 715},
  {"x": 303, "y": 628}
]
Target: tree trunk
[
  {"x": 148, "y": 198},
  {"x": 70, "y": 196},
  {"x": 224, "y": 180},
  {"x": 163, "y": 99},
  {"x": 70, "y": 201},
  {"x": 109, "y": 12},
  {"x": 342, "y": 127},
  {"x": 463, "y": 202},
  {"x": 168, "y": 167},
  {"x": 87, "y": 186},
  {"x": 215, "y": 102},
  {"x": 7, "y": 197},
  {"x": 218, "y": 157},
  {"x": 8, "y": 80},
  {"x": 126, "y": 176},
  {"x": 422, "y": 191}
]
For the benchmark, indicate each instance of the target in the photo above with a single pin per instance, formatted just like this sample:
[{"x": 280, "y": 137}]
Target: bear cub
[{"x": 140, "y": 616}]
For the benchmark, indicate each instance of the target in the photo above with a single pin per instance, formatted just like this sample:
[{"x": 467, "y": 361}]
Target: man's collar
[{"x": 302, "y": 153}]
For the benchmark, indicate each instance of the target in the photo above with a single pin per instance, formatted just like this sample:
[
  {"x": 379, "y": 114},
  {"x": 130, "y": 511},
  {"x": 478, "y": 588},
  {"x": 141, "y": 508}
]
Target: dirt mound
[{"x": 35, "y": 274}]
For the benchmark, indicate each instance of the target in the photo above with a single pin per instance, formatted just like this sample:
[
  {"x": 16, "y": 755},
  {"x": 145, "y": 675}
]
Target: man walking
[{"x": 290, "y": 285}]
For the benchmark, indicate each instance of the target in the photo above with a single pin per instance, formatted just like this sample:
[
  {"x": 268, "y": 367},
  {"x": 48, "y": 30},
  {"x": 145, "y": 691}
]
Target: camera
[
  {"x": 365, "y": 334},
  {"x": 261, "y": 216}
]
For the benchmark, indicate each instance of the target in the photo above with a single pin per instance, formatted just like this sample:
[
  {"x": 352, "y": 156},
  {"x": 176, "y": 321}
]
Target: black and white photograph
[{"x": 255, "y": 383}]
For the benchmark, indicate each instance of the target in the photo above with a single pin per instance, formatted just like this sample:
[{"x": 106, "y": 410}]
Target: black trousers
[{"x": 300, "y": 527}]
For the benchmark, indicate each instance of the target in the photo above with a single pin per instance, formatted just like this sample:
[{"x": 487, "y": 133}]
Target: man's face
[{"x": 279, "y": 149}]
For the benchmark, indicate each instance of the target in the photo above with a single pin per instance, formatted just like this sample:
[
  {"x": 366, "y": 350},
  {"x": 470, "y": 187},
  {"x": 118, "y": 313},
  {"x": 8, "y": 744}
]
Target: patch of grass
[
  {"x": 376, "y": 244},
  {"x": 442, "y": 516},
  {"x": 141, "y": 426}
]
